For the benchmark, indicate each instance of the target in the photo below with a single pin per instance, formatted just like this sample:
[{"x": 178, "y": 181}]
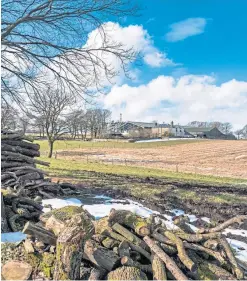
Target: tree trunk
[
  {"x": 159, "y": 269},
  {"x": 50, "y": 148}
]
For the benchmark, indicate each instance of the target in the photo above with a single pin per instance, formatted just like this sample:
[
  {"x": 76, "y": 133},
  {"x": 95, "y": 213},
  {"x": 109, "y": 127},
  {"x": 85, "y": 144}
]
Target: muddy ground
[{"x": 218, "y": 202}]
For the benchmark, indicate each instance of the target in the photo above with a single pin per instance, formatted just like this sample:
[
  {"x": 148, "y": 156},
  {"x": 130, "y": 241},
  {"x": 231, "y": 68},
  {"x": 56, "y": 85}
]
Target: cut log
[
  {"x": 236, "y": 269},
  {"x": 110, "y": 243},
  {"x": 40, "y": 233},
  {"x": 207, "y": 270},
  {"x": 211, "y": 244},
  {"x": 101, "y": 256},
  {"x": 4, "y": 223},
  {"x": 126, "y": 273},
  {"x": 55, "y": 225},
  {"x": 210, "y": 252},
  {"x": 113, "y": 235},
  {"x": 129, "y": 219},
  {"x": 12, "y": 156},
  {"x": 129, "y": 236},
  {"x": 237, "y": 219},
  {"x": 140, "y": 250},
  {"x": 97, "y": 274},
  {"x": 18, "y": 149},
  {"x": 158, "y": 268},
  {"x": 22, "y": 143},
  {"x": 71, "y": 241},
  {"x": 170, "y": 264},
  {"x": 170, "y": 250},
  {"x": 127, "y": 261},
  {"x": 69, "y": 254},
  {"x": 123, "y": 249},
  {"x": 181, "y": 251},
  {"x": 13, "y": 164},
  {"x": 197, "y": 237}
]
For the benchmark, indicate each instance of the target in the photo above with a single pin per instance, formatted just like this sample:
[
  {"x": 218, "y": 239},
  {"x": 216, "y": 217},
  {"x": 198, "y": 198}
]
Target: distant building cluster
[{"x": 132, "y": 129}]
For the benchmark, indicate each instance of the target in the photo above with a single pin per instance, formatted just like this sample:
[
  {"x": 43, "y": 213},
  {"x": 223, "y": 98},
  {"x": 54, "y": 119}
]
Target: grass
[
  {"x": 76, "y": 144},
  {"x": 74, "y": 169}
]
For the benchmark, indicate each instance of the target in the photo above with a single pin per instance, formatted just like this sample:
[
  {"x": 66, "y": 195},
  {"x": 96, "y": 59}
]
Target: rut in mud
[{"x": 217, "y": 201}]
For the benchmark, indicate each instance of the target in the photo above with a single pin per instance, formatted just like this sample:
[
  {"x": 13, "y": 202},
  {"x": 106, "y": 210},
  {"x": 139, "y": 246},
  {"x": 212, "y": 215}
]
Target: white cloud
[
  {"x": 186, "y": 28},
  {"x": 132, "y": 36},
  {"x": 188, "y": 98},
  {"x": 157, "y": 59}
]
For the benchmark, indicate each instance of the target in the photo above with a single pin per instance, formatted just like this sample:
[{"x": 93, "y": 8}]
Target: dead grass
[{"x": 215, "y": 158}]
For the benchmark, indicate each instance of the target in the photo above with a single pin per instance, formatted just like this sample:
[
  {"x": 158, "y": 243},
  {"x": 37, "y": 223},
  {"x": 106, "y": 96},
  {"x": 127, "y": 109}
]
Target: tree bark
[
  {"x": 69, "y": 254},
  {"x": 236, "y": 269},
  {"x": 158, "y": 267},
  {"x": 97, "y": 274},
  {"x": 127, "y": 261},
  {"x": 123, "y": 217},
  {"x": 40, "y": 233},
  {"x": 181, "y": 251},
  {"x": 4, "y": 223},
  {"x": 51, "y": 143},
  {"x": 237, "y": 219},
  {"x": 170, "y": 264},
  {"x": 126, "y": 273},
  {"x": 101, "y": 256},
  {"x": 123, "y": 249},
  {"x": 129, "y": 236}
]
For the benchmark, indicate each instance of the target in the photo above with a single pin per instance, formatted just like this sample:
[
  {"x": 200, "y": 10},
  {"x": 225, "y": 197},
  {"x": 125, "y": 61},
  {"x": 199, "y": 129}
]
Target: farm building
[
  {"x": 207, "y": 132},
  {"x": 147, "y": 129}
]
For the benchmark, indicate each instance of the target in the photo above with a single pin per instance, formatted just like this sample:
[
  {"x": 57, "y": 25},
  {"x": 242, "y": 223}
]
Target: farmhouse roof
[
  {"x": 198, "y": 129},
  {"x": 143, "y": 124}
]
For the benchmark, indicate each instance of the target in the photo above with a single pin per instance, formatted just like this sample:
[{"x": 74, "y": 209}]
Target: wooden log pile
[
  {"x": 108, "y": 250},
  {"x": 23, "y": 184}
]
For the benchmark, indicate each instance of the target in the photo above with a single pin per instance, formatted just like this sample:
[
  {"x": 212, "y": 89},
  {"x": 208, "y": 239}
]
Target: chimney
[{"x": 172, "y": 124}]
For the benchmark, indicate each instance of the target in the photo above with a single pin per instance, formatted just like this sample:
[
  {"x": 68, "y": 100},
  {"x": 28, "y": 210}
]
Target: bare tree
[
  {"x": 46, "y": 40},
  {"x": 9, "y": 117},
  {"x": 226, "y": 128},
  {"x": 49, "y": 106},
  {"x": 24, "y": 122}
]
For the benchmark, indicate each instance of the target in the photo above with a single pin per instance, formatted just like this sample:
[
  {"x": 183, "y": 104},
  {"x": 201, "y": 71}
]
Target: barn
[{"x": 207, "y": 132}]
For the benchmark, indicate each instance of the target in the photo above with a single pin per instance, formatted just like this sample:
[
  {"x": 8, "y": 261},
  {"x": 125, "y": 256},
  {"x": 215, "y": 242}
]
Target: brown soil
[{"x": 214, "y": 157}]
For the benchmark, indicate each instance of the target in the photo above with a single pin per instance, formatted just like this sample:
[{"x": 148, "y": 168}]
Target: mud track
[{"x": 162, "y": 194}]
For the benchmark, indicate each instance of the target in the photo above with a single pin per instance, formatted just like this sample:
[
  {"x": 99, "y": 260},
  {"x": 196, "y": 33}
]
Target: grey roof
[
  {"x": 143, "y": 124},
  {"x": 198, "y": 129}
]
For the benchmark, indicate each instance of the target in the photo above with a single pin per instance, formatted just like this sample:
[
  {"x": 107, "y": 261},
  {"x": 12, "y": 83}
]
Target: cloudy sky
[{"x": 194, "y": 62}]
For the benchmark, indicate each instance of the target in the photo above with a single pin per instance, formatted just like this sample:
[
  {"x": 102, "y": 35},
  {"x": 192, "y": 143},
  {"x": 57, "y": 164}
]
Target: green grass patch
[
  {"x": 77, "y": 144},
  {"x": 75, "y": 170}
]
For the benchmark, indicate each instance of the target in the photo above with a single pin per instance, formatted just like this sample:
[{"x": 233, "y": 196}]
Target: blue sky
[
  {"x": 194, "y": 63},
  {"x": 220, "y": 49}
]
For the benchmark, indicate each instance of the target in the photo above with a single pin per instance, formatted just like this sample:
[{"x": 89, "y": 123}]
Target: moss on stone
[{"x": 64, "y": 213}]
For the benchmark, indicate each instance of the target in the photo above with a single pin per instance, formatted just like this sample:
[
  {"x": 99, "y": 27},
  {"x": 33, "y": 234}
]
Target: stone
[
  {"x": 40, "y": 245},
  {"x": 16, "y": 270}
]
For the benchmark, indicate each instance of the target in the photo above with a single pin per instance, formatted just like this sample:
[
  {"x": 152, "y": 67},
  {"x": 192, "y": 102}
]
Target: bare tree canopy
[
  {"x": 45, "y": 41},
  {"x": 50, "y": 106}
]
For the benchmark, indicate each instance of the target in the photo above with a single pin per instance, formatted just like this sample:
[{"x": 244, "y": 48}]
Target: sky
[{"x": 193, "y": 66}]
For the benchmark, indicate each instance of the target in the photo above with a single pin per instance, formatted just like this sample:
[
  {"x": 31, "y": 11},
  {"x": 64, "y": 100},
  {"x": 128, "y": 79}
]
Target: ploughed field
[{"x": 213, "y": 157}]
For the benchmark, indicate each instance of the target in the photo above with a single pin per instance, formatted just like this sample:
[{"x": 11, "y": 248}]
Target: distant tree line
[{"x": 53, "y": 114}]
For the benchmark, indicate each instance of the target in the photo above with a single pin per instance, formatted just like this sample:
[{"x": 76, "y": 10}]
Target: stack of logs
[
  {"x": 124, "y": 246},
  {"x": 22, "y": 181}
]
